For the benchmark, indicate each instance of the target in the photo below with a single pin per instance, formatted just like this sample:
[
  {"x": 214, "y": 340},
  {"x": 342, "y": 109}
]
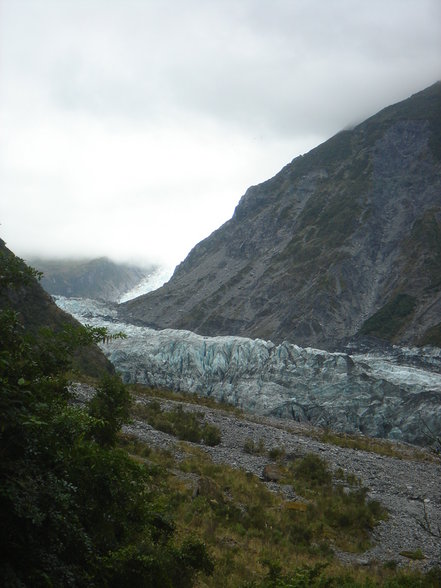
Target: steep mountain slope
[
  {"x": 36, "y": 309},
  {"x": 343, "y": 240},
  {"x": 96, "y": 278}
]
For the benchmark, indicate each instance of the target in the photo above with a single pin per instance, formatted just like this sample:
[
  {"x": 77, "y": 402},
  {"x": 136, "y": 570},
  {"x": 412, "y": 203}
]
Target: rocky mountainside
[
  {"x": 36, "y": 309},
  {"x": 96, "y": 278},
  {"x": 343, "y": 241}
]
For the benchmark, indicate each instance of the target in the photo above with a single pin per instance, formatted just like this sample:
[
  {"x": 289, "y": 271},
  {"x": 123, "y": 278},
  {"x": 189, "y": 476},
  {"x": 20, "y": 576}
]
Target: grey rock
[
  {"x": 411, "y": 525},
  {"x": 333, "y": 238}
]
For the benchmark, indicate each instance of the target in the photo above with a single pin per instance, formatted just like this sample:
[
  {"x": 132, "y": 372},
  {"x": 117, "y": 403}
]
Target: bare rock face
[{"x": 344, "y": 240}]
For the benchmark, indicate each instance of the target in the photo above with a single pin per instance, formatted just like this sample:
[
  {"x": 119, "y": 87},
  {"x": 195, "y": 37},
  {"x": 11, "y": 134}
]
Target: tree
[{"x": 74, "y": 509}]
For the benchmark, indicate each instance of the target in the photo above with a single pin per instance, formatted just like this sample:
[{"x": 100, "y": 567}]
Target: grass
[
  {"x": 350, "y": 441},
  {"x": 372, "y": 445},
  {"x": 141, "y": 391},
  {"x": 414, "y": 555},
  {"x": 188, "y": 426},
  {"x": 253, "y": 448},
  {"x": 257, "y": 538}
]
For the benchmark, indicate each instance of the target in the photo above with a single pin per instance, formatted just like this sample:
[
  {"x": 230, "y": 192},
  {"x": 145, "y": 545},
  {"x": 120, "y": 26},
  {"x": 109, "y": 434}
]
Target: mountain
[
  {"x": 96, "y": 278},
  {"x": 36, "y": 309},
  {"x": 343, "y": 241}
]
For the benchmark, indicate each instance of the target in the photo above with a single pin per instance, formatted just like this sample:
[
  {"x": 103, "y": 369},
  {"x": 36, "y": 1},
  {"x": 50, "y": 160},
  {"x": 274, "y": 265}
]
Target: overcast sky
[{"x": 131, "y": 128}]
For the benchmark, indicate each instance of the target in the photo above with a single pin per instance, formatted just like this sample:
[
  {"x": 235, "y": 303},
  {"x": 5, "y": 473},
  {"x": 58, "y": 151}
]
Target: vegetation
[
  {"x": 316, "y": 576},
  {"x": 146, "y": 392},
  {"x": 373, "y": 445},
  {"x": 253, "y": 448},
  {"x": 83, "y": 505},
  {"x": 261, "y": 540},
  {"x": 432, "y": 336},
  {"x": 188, "y": 426},
  {"x": 74, "y": 509},
  {"x": 387, "y": 322}
]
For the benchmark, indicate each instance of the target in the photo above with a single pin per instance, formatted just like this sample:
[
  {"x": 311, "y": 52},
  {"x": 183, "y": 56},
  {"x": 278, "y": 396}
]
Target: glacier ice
[
  {"x": 153, "y": 281},
  {"x": 378, "y": 394}
]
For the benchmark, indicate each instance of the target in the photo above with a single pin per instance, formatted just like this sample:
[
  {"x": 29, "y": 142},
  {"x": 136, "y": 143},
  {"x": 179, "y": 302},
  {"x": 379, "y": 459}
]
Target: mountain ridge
[
  {"x": 99, "y": 278},
  {"x": 313, "y": 253}
]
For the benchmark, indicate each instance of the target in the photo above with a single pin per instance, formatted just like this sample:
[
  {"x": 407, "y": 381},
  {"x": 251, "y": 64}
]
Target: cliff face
[
  {"x": 97, "y": 278},
  {"x": 344, "y": 240}
]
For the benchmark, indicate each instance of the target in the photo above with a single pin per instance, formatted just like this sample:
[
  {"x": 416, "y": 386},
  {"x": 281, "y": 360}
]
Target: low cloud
[{"x": 131, "y": 129}]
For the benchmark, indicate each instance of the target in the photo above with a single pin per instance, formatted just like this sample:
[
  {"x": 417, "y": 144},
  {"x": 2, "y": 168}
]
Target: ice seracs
[{"x": 379, "y": 395}]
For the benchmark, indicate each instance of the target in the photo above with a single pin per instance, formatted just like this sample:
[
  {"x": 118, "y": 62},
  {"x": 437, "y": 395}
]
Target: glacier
[
  {"x": 157, "y": 278},
  {"x": 394, "y": 394}
]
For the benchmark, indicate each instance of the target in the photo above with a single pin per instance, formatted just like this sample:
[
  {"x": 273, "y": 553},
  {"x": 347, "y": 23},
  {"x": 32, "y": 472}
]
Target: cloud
[{"x": 132, "y": 128}]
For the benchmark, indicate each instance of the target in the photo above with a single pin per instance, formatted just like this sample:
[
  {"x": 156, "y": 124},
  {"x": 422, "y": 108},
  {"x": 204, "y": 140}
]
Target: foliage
[
  {"x": 187, "y": 426},
  {"x": 317, "y": 576},
  {"x": 415, "y": 555},
  {"x": 15, "y": 273},
  {"x": 74, "y": 509},
  {"x": 253, "y": 448},
  {"x": 111, "y": 408},
  {"x": 144, "y": 391},
  {"x": 257, "y": 539},
  {"x": 387, "y": 321},
  {"x": 432, "y": 336},
  {"x": 339, "y": 511}
]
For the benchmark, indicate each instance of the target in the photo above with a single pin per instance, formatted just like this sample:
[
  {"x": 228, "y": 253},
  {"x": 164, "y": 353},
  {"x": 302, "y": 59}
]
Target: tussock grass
[
  {"x": 188, "y": 397},
  {"x": 257, "y": 538},
  {"x": 184, "y": 425}
]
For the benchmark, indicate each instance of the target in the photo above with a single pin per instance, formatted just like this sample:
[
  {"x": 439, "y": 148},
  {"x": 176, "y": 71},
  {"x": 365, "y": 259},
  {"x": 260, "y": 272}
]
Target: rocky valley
[{"x": 303, "y": 333}]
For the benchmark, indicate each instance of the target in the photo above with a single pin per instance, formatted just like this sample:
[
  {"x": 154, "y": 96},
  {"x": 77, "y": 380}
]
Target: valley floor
[{"x": 408, "y": 486}]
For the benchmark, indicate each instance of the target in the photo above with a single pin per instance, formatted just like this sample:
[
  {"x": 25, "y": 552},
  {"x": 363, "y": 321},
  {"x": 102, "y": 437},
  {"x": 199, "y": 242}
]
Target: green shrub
[
  {"x": 211, "y": 435},
  {"x": 415, "y": 555},
  {"x": 277, "y": 453},
  {"x": 387, "y": 322},
  {"x": 312, "y": 473},
  {"x": 187, "y": 426},
  {"x": 253, "y": 448}
]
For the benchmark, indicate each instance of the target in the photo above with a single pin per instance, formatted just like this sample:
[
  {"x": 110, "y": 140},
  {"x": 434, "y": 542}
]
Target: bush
[
  {"x": 253, "y": 448},
  {"x": 74, "y": 510},
  {"x": 211, "y": 435},
  {"x": 187, "y": 426}
]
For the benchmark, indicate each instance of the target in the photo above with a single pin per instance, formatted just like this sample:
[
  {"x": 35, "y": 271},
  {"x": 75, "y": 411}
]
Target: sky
[{"x": 131, "y": 128}]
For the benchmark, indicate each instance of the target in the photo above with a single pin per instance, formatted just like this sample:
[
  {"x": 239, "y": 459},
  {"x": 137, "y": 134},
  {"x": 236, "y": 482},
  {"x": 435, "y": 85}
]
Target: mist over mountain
[
  {"x": 98, "y": 278},
  {"x": 343, "y": 241}
]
